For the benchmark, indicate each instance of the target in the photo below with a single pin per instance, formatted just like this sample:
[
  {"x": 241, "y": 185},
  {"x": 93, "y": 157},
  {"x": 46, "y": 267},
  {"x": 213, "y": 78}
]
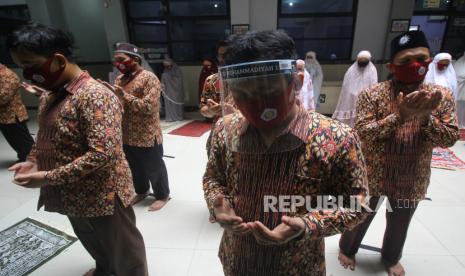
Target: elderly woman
[{"x": 441, "y": 72}]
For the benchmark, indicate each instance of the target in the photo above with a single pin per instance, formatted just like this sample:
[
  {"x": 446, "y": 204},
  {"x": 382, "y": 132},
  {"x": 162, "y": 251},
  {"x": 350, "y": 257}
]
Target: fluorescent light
[{"x": 291, "y": 4}]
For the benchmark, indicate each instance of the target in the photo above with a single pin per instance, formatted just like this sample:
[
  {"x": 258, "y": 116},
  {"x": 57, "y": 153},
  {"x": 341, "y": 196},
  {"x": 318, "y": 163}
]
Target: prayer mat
[
  {"x": 462, "y": 134},
  {"x": 27, "y": 245},
  {"x": 192, "y": 129},
  {"x": 446, "y": 159}
]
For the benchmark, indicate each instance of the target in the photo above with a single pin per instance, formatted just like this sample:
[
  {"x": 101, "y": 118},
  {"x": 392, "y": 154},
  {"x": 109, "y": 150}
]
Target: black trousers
[
  {"x": 114, "y": 242},
  {"x": 147, "y": 167},
  {"x": 395, "y": 234},
  {"x": 19, "y": 138}
]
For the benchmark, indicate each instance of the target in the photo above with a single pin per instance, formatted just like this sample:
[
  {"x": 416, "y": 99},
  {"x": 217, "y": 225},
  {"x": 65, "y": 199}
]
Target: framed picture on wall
[
  {"x": 240, "y": 28},
  {"x": 400, "y": 25}
]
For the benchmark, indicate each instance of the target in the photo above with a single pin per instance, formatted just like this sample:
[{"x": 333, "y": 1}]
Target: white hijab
[
  {"x": 459, "y": 67},
  {"x": 355, "y": 81},
  {"x": 446, "y": 77},
  {"x": 314, "y": 69},
  {"x": 305, "y": 94}
]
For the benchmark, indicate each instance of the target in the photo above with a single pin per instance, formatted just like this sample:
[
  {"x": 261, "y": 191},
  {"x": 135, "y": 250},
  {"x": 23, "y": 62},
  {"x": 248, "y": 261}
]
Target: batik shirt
[
  {"x": 211, "y": 91},
  {"x": 141, "y": 100},
  {"x": 327, "y": 161},
  {"x": 12, "y": 108},
  {"x": 91, "y": 171},
  {"x": 398, "y": 154}
]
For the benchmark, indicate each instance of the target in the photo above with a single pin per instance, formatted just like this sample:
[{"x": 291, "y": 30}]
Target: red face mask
[
  {"x": 269, "y": 112},
  {"x": 42, "y": 76},
  {"x": 126, "y": 67},
  {"x": 412, "y": 72},
  {"x": 442, "y": 67}
]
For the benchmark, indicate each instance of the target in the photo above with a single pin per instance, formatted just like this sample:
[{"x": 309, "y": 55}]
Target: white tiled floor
[{"x": 181, "y": 242}]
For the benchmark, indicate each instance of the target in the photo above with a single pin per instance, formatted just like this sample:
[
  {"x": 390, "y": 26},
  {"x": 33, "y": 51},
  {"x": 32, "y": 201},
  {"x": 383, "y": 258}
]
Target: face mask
[
  {"x": 442, "y": 67},
  {"x": 269, "y": 112},
  {"x": 362, "y": 64},
  {"x": 126, "y": 67},
  {"x": 412, "y": 72},
  {"x": 42, "y": 76}
]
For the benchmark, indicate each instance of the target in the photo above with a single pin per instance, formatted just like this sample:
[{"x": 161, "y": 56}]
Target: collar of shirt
[{"x": 72, "y": 86}]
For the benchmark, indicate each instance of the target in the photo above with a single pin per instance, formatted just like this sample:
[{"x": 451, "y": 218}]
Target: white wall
[
  {"x": 240, "y": 12},
  {"x": 263, "y": 14}
]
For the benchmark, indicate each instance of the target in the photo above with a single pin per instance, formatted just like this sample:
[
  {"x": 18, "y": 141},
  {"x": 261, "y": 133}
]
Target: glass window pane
[
  {"x": 454, "y": 41},
  {"x": 198, "y": 7},
  {"x": 154, "y": 31},
  {"x": 145, "y": 9},
  {"x": 193, "y": 51},
  {"x": 338, "y": 49},
  {"x": 428, "y": 5},
  {"x": 315, "y": 6},
  {"x": 188, "y": 29},
  {"x": 318, "y": 27}
]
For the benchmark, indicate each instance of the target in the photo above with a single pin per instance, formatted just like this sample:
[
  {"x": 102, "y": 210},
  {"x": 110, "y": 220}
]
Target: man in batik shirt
[
  {"x": 400, "y": 122},
  {"x": 139, "y": 92},
  {"x": 273, "y": 147},
  {"x": 78, "y": 161},
  {"x": 13, "y": 114}
]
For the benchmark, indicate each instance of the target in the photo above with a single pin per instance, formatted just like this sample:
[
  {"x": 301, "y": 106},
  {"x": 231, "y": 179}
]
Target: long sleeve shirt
[
  {"x": 12, "y": 108},
  {"x": 327, "y": 161},
  {"x": 141, "y": 101},
  {"x": 89, "y": 171},
  {"x": 398, "y": 153}
]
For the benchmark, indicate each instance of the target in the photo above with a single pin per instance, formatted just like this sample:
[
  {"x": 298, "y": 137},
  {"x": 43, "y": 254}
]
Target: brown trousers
[
  {"x": 114, "y": 242},
  {"x": 395, "y": 234}
]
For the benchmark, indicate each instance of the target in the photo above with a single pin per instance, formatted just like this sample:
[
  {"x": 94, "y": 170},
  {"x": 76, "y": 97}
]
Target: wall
[{"x": 263, "y": 14}]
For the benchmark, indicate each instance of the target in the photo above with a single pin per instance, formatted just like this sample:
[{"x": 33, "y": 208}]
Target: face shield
[{"x": 263, "y": 94}]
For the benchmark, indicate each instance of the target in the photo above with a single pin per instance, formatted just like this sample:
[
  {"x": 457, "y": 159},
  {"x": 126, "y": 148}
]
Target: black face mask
[{"x": 362, "y": 64}]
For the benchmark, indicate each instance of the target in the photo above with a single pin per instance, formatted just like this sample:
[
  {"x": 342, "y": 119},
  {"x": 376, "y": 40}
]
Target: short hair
[
  {"x": 41, "y": 40},
  {"x": 221, "y": 43},
  {"x": 260, "y": 45}
]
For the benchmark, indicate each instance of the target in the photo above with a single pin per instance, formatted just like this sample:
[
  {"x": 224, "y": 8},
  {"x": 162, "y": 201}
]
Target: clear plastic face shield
[{"x": 263, "y": 96}]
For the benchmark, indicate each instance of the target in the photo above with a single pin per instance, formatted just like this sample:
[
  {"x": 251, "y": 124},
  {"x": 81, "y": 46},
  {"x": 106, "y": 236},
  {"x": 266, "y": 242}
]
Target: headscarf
[
  {"x": 355, "y": 81},
  {"x": 446, "y": 77},
  {"x": 171, "y": 79},
  {"x": 305, "y": 94},
  {"x": 314, "y": 69},
  {"x": 206, "y": 72}
]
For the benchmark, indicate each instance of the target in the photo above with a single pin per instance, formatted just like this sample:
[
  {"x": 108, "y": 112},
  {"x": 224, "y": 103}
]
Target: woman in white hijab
[
  {"x": 305, "y": 94},
  {"x": 459, "y": 67},
  {"x": 314, "y": 69},
  {"x": 173, "y": 91},
  {"x": 442, "y": 73},
  {"x": 361, "y": 75}
]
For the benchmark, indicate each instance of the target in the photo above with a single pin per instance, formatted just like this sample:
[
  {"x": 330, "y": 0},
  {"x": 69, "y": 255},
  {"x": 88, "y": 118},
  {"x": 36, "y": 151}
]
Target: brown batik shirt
[
  {"x": 12, "y": 109},
  {"x": 398, "y": 154},
  {"x": 89, "y": 170},
  {"x": 328, "y": 161},
  {"x": 141, "y": 100}
]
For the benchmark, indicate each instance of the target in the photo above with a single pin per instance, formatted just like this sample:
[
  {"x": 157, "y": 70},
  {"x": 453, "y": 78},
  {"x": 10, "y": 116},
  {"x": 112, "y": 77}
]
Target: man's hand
[
  {"x": 33, "y": 89},
  {"x": 418, "y": 104},
  {"x": 118, "y": 90},
  {"x": 227, "y": 218},
  {"x": 31, "y": 180},
  {"x": 290, "y": 228},
  {"x": 214, "y": 108},
  {"x": 23, "y": 167}
]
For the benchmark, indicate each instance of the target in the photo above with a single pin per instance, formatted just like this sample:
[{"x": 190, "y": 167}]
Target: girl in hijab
[
  {"x": 459, "y": 67},
  {"x": 442, "y": 73},
  {"x": 208, "y": 68},
  {"x": 314, "y": 68},
  {"x": 361, "y": 75},
  {"x": 173, "y": 91}
]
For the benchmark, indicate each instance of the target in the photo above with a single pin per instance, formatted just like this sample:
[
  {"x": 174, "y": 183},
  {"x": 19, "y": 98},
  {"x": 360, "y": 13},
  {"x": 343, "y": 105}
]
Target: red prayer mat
[
  {"x": 446, "y": 159},
  {"x": 192, "y": 129}
]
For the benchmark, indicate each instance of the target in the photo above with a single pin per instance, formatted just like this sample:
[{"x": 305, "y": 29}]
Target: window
[
  {"x": 443, "y": 23},
  {"x": 11, "y": 17},
  {"x": 187, "y": 30},
  {"x": 323, "y": 26}
]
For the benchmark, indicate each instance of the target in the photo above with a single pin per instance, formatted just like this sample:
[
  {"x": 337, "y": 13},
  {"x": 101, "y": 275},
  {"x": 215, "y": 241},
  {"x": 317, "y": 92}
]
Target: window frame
[
  {"x": 18, "y": 23},
  {"x": 450, "y": 12},
  {"x": 169, "y": 19},
  {"x": 353, "y": 13}
]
